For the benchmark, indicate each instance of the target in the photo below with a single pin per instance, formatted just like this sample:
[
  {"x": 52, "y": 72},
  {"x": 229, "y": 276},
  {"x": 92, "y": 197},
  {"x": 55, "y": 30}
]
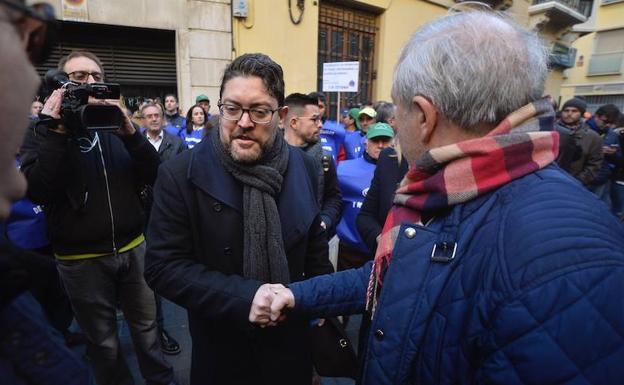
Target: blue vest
[
  {"x": 193, "y": 138},
  {"x": 173, "y": 130},
  {"x": 26, "y": 226},
  {"x": 354, "y": 144},
  {"x": 354, "y": 177},
  {"x": 332, "y": 137},
  {"x": 178, "y": 122}
]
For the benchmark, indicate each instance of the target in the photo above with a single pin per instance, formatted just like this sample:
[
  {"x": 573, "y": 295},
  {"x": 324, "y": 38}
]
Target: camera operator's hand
[
  {"x": 52, "y": 108},
  {"x": 126, "y": 125}
]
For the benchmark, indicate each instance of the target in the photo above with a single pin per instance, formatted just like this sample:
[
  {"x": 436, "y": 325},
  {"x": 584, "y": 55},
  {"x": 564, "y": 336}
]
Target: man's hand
[
  {"x": 52, "y": 106},
  {"x": 260, "y": 312},
  {"x": 283, "y": 299},
  {"x": 126, "y": 128}
]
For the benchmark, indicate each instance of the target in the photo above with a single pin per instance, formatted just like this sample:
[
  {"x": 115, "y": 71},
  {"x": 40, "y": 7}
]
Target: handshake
[{"x": 269, "y": 304}]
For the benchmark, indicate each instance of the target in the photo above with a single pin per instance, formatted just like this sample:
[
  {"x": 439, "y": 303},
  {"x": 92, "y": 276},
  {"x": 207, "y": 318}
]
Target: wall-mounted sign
[{"x": 75, "y": 10}]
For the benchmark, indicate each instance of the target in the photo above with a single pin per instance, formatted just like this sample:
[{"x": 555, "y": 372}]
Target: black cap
[{"x": 575, "y": 103}]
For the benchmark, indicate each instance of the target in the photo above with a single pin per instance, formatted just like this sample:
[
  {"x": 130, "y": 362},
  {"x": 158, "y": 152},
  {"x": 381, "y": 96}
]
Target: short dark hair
[
  {"x": 262, "y": 66},
  {"x": 385, "y": 111},
  {"x": 172, "y": 95},
  {"x": 299, "y": 100},
  {"x": 80, "y": 53},
  {"x": 610, "y": 111},
  {"x": 318, "y": 96}
]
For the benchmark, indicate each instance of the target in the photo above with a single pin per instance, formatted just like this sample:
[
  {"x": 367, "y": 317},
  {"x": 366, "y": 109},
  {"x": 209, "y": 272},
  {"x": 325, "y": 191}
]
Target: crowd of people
[{"x": 479, "y": 230}]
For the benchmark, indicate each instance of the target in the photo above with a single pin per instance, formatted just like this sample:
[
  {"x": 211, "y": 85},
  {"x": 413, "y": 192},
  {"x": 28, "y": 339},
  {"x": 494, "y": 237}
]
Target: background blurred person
[
  {"x": 355, "y": 177},
  {"x": 32, "y": 352},
  {"x": 172, "y": 113},
  {"x": 195, "y": 128},
  {"x": 35, "y": 109},
  {"x": 587, "y": 160}
]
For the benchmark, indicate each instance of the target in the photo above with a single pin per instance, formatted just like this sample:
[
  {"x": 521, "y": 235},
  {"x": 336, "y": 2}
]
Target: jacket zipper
[{"x": 110, "y": 204}]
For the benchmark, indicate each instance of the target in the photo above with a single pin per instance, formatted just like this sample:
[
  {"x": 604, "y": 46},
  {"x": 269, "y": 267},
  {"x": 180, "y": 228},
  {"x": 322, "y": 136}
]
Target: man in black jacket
[
  {"x": 89, "y": 183},
  {"x": 236, "y": 212},
  {"x": 302, "y": 128},
  {"x": 168, "y": 146}
]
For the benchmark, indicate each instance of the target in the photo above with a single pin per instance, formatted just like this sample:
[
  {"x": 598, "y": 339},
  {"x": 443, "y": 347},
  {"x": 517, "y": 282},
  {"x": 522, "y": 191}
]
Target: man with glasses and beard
[{"x": 236, "y": 212}]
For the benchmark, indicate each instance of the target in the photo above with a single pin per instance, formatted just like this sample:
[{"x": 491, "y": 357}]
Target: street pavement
[{"x": 176, "y": 323}]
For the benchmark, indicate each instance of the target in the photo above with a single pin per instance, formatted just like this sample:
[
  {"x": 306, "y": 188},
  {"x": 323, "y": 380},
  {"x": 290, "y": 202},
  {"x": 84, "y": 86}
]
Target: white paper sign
[
  {"x": 75, "y": 10},
  {"x": 341, "y": 76}
]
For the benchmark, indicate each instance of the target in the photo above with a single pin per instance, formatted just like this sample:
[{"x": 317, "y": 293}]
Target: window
[
  {"x": 608, "y": 53},
  {"x": 347, "y": 34}
]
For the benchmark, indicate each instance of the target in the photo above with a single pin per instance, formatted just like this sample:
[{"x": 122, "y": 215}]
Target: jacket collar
[
  {"x": 207, "y": 174},
  {"x": 167, "y": 141}
]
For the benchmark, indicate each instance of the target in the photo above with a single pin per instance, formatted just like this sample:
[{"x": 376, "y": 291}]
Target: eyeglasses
[
  {"x": 82, "y": 76},
  {"x": 315, "y": 119},
  {"x": 257, "y": 115},
  {"x": 36, "y": 26}
]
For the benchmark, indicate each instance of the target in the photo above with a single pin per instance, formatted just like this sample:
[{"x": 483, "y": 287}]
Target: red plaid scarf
[{"x": 460, "y": 172}]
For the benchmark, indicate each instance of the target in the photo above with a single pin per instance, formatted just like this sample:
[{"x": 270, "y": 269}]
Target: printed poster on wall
[{"x": 75, "y": 10}]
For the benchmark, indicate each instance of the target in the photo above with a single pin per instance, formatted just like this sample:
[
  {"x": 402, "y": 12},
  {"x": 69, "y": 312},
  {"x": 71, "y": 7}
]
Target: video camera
[{"x": 76, "y": 112}]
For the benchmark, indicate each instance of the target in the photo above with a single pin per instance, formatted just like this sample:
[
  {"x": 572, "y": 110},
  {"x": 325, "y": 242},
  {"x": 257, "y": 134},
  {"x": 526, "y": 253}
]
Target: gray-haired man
[{"x": 494, "y": 266}]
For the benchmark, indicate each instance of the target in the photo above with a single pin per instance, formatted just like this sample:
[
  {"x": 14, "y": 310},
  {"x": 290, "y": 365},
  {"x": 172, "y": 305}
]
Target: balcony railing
[
  {"x": 563, "y": 59},
  {"x": 583, "y": 7}
]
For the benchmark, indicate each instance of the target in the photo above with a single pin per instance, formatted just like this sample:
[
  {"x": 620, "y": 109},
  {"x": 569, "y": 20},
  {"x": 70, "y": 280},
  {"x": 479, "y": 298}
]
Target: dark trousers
[
  {"x": 50, "y": 294},
  {"x": 95, "y": 287}
]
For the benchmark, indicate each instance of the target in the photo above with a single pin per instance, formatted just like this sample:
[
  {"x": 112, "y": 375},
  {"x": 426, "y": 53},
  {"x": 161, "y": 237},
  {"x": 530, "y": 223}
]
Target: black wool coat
[
  {"x": 378, "y": 201},
  {"x": 195, "y": 259}
]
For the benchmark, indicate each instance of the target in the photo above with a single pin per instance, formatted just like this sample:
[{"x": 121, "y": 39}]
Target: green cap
[
  {"x": 202, "y": 98},
  {"x": 369, "y": 111},
  {"x": 380, "y": 129},
  {"x": 354, "y": 112}
]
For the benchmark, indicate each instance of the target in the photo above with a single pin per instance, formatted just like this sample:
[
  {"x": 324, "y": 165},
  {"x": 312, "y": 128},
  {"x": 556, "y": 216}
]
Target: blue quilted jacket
[{"x": 531, "y": 294}]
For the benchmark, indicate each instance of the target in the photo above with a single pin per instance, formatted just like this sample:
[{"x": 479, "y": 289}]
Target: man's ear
[
  {"x": 428, "y": 119},
  {"x": 282, "y": 113}
]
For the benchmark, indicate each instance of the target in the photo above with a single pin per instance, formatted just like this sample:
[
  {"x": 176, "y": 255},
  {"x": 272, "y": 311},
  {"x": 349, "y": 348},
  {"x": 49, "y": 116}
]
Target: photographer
[{"x": 89, "y": 182}]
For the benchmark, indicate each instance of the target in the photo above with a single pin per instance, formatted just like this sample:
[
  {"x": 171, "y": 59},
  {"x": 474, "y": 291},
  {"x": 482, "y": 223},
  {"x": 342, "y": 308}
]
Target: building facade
[
  {"x": 151, "y": 47},
  {"x": 598, "y": 71},
  {"x": 154, "y": 47}
]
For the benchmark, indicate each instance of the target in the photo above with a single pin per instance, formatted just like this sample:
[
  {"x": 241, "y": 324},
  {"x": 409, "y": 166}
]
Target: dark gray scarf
[{"x": 264, "y": 257}]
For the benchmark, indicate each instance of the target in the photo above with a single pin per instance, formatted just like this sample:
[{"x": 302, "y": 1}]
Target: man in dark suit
[
  {"x": 168, "y": 146},
  {"x": 237, "y": 211}
]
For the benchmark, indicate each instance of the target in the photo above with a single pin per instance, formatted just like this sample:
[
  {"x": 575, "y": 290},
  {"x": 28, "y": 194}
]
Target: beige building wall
[
  {"x": 269, "y": 30},
  {"x": 203, "y": 36}
]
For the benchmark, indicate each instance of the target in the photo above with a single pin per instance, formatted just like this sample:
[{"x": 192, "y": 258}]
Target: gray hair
[
  {"x": 385, "y": 112},
  {"x": 475, "y": 67}
]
